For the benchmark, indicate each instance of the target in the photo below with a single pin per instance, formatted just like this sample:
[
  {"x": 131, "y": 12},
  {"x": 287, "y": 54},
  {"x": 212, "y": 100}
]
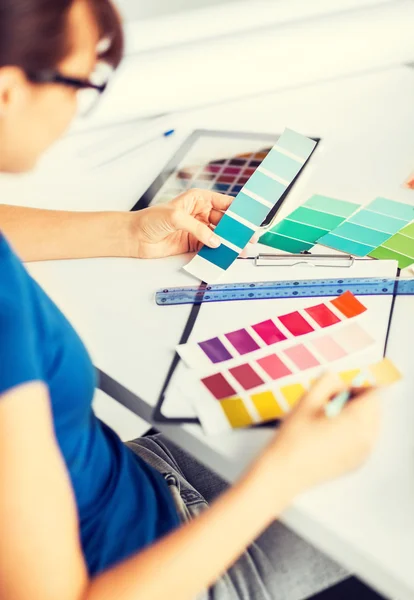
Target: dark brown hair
[{"x": 34, "y": 33}]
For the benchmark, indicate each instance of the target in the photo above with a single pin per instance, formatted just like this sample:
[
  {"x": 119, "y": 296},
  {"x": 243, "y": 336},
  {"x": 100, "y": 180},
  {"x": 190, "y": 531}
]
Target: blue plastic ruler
[{"x": 306, "y": 288}]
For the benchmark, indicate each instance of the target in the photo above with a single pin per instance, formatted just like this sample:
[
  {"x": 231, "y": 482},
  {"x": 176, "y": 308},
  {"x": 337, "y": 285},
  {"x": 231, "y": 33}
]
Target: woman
[{"x": 82, "y": 516}]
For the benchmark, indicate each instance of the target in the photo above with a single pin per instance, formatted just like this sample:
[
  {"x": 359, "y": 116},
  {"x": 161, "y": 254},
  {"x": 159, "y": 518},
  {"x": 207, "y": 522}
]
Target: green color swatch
[
  {"x": 284, "y": 243},
  {"x": 398, "y": 247},
  {"x": 304, "y": 226}
]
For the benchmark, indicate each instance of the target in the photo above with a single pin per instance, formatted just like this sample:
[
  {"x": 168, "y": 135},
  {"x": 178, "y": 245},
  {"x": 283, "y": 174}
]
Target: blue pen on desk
[
  {"x": 131, "y": 149},
  {"x": 334, "y": 407}
]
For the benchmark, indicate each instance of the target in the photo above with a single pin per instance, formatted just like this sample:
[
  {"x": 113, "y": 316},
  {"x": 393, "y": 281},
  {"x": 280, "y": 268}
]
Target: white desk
[{"x": 366, "y": 520}]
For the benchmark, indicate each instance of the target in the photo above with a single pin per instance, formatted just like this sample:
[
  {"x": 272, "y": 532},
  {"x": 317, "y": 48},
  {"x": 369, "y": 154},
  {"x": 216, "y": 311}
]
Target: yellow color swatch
[
  {"x": 236, "y": 412},
  {"x": 267, "y": 406},
  {"x": 385, "y": 372},
  {"x": 349, "y": 376},
  {"x": 292, "y": 393}
]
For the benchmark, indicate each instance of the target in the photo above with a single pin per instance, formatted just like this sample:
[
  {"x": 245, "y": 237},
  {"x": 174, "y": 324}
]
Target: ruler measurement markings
[{"x": 285, "y": 289}]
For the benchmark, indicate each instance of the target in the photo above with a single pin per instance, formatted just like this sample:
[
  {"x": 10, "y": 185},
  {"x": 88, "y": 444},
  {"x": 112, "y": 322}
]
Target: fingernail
[{"x": 214, "y": 241}]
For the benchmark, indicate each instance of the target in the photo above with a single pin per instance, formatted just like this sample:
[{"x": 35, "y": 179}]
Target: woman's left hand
[{"x": 180, "y": 226}]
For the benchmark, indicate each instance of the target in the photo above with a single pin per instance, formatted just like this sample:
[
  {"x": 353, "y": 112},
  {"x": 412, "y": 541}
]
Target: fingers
[
  {"x": 217, "y": 201},
  {"x": 215, "y": 216},
  {"x": 185, "y": 222},
  {"x": 323, "y": 390},
  {"x": 363, "y": 416},
  {"x": 256, "y": 237},
  {"x": 220, "y": 201},
  {"x": 363, "y": 400}
]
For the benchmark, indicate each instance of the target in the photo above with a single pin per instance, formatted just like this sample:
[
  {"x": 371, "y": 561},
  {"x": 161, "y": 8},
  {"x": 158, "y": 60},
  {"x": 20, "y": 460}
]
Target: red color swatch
[
  {"x": 246, "y": 376},
  {"x": 296, "y": 324},
  {"x": 349, "y": 305},
  {"x": 218, "y": 386},
  {"x": 322, "y": 315},
  {"x": 273, "y": 366},
  {"x": 269, "y": 333}
]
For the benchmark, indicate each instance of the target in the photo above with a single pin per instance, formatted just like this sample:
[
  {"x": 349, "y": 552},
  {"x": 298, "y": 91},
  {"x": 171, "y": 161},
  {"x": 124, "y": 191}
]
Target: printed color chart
[
  {"x": 370, "y": 227},
  {"x": 301, "y": 229},
  {"x": 273, "y": 401},
  {"x": 257, "y": 373},
  {"x": 255, "y": 339},
  {"x": 224, "y": 175},
  {"x": 263, "y": 369},
  {"x": 252, "y": 204}
]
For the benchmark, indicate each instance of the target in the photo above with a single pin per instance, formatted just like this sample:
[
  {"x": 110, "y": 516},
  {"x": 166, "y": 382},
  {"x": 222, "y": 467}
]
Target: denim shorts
[{"x": 279, "y": 565}]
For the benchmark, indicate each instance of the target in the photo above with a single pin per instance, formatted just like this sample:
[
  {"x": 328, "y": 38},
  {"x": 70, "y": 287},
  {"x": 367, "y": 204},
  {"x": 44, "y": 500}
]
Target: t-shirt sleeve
[{"x": 20, "y": 361}]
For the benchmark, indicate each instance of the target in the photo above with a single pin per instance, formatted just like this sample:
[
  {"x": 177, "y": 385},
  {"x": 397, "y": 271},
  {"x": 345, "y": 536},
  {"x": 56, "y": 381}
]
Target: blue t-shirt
[{"x": 123, "y": 504}]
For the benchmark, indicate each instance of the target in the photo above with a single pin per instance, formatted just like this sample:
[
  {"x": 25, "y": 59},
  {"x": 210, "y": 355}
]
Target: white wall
[{"x": 141, "y": 9}]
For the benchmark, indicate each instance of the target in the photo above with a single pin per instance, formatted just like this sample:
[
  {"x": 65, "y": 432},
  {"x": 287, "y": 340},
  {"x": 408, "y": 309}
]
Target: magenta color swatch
[
  {"x": 242, "y": 341},
  {"x": 246, "y": 376},
  {"x": 322, "y": 315},
  {"x": 269, "y": 333},
  {"x": 273, "y": 366},
  {"x": 296, "y": 324},
  {"x": 301, "y": 356},
  {"x": 215, "y": 350},
  {"x": 218, "y": 386}
]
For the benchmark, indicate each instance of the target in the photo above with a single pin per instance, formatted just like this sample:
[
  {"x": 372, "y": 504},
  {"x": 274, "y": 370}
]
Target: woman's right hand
[{"x": 314, "y": 448}]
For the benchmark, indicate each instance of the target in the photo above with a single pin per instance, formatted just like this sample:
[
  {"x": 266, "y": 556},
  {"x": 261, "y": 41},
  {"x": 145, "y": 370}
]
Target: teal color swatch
[
  {"x": 253, "y": 212},
  {"x": 324, "y": 221},
  {"x": 250, "y": 209},
  {"x": 373, "y": 220},
  {"x": 364, "y": 235},
  {"x": 301, "y": 231},
  {"x": 280, "y": 242},
  {"x": 345, "y": 245},
  {"x": 332, "y": 206},
  {"x": 265, "y": 187},
  {"x": 305, "y": 225},
  {"x": 281, "y": 165},
  {"x": 223, "y": 256},
  {"x": 235, "y": 232},
  {"x": 370, "y": 227},
  {"x": 399, "y": 210},
  {"x": 296, "y": 144}
]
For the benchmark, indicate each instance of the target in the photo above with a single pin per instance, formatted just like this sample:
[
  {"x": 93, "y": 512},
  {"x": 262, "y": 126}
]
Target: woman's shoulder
[{"x": 14, "y": 279}]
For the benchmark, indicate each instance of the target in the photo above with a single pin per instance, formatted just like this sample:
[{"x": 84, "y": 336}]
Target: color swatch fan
[
  {"x": 383, "y": 229},
  {"x": 252, "y": 205}
]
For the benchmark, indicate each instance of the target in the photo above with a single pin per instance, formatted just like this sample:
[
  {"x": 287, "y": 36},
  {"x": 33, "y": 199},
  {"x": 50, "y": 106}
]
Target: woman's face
[{"x": 34, "y": 116}]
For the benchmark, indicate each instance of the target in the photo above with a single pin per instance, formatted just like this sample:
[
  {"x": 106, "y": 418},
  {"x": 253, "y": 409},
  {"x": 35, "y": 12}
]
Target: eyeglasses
[{"x": 88, "y": 93}]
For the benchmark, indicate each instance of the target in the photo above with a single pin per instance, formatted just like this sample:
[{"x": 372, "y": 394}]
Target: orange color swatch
[{"x": 348, "y": 305}]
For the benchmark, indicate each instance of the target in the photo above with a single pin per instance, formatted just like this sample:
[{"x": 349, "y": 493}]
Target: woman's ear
[{"x": 14, "y": 90}]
